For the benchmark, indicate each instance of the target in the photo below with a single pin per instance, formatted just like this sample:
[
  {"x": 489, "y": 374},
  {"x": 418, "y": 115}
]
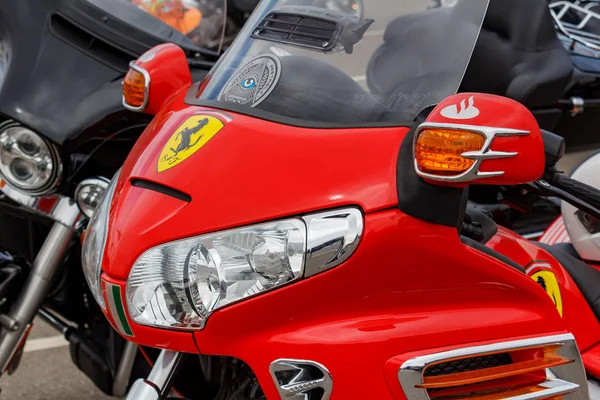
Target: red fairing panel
[
  {"x": 236, "y": 177},
  {"x": 407, "y": 287},
  {"x": 576, "y": 313}
]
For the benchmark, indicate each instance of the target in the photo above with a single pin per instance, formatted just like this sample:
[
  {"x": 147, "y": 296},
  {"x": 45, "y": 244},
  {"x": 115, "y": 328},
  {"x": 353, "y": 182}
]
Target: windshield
[{"x": 345, "y": 61}]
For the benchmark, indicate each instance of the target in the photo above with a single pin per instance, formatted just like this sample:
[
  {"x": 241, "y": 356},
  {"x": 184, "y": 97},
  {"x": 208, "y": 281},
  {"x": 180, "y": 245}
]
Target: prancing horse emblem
[{"x": 194, "y": 133}]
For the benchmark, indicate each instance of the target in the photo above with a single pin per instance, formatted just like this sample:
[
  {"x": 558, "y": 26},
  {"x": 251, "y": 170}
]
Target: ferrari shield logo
[
  {"x": 547, "y": 280},
  {"x": 194, "y": 133}
]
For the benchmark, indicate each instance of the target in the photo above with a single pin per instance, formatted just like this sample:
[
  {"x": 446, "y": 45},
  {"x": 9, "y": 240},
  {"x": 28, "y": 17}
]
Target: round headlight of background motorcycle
[
  {"x": 95, "y": 241},
  {"x": 28, "y": 162}
]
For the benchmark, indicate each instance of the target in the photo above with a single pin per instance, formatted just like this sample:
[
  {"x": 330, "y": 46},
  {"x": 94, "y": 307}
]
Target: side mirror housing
[
  {"x": 155, "y": 77},
  {"x": 473, "y": 138}
]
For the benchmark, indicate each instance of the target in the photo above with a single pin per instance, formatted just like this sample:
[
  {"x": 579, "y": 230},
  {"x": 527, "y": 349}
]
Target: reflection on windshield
[
  {"x": 297, "y": 60},
  {"x": 203, "y": 21}
]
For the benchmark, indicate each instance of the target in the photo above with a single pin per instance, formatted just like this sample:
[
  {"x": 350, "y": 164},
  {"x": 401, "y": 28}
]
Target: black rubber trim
[
  {"x": 192, "y": 100},
  {"x": 490, "y": 252},
  {"x": 442, "y": 205},
  {"x": 586, "y": 278},
  {"x": 157, "y": 187}
]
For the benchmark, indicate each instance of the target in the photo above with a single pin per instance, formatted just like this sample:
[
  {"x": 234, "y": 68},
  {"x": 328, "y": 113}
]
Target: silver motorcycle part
[
  {"x": 581, "y": 31},
  {"x": 124, "y": 371},
  {"x": 36, "y": 287},
  {"x": 159, "y": 381}
]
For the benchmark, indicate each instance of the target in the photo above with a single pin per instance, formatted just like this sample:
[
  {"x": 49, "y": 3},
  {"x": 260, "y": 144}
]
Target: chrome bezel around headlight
[
  {"x": 41, "y": 156},
  {"x": 94, "y": 242}
]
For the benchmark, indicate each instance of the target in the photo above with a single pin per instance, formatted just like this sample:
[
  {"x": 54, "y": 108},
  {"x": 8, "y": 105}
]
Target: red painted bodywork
[
  {"x": 501, "y": 112},
  {"x": 169, "y": 72},
  {"x": 410, "y": 287}
]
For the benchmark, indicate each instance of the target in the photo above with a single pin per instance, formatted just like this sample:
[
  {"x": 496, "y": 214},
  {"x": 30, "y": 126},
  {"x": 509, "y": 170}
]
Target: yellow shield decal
[
  {"x": 547, "y": 280},
  {"x": 188, "y": 139}
]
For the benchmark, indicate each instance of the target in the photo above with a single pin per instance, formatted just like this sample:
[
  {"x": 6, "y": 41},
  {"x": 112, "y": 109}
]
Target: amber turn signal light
[
  {"x": 135, "y": 88},
  {"x": 439, "y": 151}
]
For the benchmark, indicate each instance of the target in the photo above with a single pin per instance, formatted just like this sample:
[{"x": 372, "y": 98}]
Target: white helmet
[{"x": 583, "y": 229}]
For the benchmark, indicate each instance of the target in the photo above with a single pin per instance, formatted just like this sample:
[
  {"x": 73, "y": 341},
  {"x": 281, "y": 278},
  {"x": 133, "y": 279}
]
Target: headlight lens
[
  {"x": 95, "y": 242},
  {"x": 179, "y": 284},
  {"x": 27, "y": 161}
]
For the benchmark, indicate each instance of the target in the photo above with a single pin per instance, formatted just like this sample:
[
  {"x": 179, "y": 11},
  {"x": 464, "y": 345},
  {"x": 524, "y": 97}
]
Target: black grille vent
[
  {"x": 299, "y": 30},
  {"x": 469, "y": 364}
]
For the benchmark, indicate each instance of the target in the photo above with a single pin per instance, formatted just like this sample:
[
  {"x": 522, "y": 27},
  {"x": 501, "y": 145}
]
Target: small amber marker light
[
  {"x": 135, "y": 89},
  {"x": 439, "y": 151}
]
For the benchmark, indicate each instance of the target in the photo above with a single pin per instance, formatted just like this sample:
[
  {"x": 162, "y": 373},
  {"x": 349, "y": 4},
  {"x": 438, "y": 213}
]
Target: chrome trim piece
[
  {"x": 299, "y": 385},
  {"x": 84, "y": 193},
  {"x": 59, "y": 208},
  {"x": 533, "y": 235},
  {"x": 158, "y": 383},
  {"x": 142, "y": 71},
  {"x": 594, "y": 390},
  {"x": 124, "y": 370},
  {"x": 558, "y": 9},
  {"x": 566, "y": 378},
  {"x": 332, "y": 237},
  {"x": 485, "y": 153}
]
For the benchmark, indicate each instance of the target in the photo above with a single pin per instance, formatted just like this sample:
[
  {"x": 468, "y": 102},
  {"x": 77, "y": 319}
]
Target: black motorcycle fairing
[
  {"x": 64, "y": 75},
  {"x": 519, "y": 55}
]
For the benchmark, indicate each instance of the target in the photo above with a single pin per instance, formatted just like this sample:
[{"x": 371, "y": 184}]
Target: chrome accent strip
[
  {"x": 142, "y": 71},
  {"x": 411, "y": 372},
  {"x": 533, "y": 235},
  {"x": 124, "y": 371},
  {"x": 302, "y": 382},
  {"x": 485, "y": 153},
  {"x": 332, "y": 237}
]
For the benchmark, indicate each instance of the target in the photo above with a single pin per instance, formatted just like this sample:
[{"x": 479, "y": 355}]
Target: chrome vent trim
[
  {"x": 301, "y": 379},
  {"x": 568, "y": 380}
]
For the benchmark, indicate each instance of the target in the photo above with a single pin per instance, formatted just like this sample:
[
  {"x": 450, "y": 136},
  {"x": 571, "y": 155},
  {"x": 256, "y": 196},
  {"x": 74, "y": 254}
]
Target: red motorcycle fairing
[
  {"x": 409, "y": 286},
  {"x": 560, "y": 287}
]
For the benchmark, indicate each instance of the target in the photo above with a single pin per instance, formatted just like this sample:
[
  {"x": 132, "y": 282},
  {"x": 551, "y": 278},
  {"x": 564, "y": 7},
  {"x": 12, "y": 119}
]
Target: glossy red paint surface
[
  {"x": 591, "y": 361},
  {"x": 169, "y": 73},
  {"x": 238, "y": 178},
  {"x": 577, "y": 314},
  {"x": 389, "y": 298},
  {"x": 501, "y": 112}
]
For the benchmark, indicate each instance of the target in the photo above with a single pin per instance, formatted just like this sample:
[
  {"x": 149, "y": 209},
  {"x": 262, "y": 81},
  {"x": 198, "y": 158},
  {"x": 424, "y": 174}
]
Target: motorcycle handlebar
[{"x": 584, "y": 192}]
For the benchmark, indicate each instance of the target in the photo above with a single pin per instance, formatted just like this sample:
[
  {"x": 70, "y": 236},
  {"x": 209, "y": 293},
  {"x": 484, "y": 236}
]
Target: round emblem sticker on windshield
[{"x": 253, "y": 82}]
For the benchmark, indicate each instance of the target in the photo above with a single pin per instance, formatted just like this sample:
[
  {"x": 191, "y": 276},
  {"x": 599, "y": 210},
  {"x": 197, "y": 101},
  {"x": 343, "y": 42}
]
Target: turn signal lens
[
  {"x": 439, "y": 151},
  {"x": 135, "y": 89}
]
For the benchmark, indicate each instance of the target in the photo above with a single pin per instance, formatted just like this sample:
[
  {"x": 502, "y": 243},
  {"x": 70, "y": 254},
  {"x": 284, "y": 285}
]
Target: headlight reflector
[
  {"x": 179, "y": 284},
  {"x": 95, "y": 242},
  {"x": 27, "y": 161}
]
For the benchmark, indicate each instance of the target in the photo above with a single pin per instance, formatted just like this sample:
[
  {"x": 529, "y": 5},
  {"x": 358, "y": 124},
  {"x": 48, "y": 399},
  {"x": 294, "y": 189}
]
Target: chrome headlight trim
[
  {"x": 40, "y": 154},
  {"x": 333, "y": 236}
]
